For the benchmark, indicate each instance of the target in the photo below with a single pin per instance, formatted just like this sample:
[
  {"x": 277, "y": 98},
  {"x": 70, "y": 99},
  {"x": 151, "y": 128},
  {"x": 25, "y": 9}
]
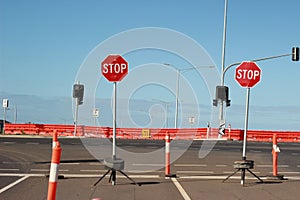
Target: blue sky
[{"x": 44, "y": 43}]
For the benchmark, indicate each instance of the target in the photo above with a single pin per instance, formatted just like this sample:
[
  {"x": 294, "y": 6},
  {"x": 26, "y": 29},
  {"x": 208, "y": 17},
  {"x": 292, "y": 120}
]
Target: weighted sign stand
[
  {"x": 114, "y": 164},
  {"x": 244, "y": 164}
]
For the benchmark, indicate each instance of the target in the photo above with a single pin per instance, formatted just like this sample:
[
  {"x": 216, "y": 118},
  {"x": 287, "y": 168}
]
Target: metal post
[
  {"x": 246, "y": 123},
  {"x": 177, "y": 95},
  {"x": 243, "y": 173},
  {"x": 114, "y": 120},
  {"x": 167, "y": 120},
  {"x": 16, "y": 115},
  {"x": 76, "y": 116},
  {"x": 221, "y": 115},
  {"x": 4, "y": 119}
]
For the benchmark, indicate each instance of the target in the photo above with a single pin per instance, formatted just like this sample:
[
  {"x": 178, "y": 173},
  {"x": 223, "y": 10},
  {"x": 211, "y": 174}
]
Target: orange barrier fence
[{"x": 150, "y": 133}]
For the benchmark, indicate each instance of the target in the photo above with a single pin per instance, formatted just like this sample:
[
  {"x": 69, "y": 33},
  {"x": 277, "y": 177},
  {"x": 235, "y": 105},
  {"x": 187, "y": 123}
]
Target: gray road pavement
[{"x": 24, "y": 162}]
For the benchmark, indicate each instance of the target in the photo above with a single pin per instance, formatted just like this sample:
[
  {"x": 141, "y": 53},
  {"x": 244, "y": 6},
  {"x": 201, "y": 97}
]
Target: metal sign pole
[
  {"x": 114, "y": 120},
  {"x": 4, "y": 119},
  {"x": 245, "y": 135},
  {"x": 246, "y": 123}
]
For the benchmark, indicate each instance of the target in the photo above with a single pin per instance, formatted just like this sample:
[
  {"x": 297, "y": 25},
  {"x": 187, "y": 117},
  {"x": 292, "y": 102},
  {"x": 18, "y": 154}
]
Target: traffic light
[
  {"x": 222, "y": 93},
  {"x": 295, "y": 54},
  {"x": 80, "y": 101},
  {"x": 78, "y": 90}
]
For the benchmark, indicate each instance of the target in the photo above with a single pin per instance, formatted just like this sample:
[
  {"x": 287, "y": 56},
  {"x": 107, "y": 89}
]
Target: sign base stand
[
  {"x": 114, "y": 165},
  {"x": 277, "y": 177},
  {"x": 243, "y": 166}
]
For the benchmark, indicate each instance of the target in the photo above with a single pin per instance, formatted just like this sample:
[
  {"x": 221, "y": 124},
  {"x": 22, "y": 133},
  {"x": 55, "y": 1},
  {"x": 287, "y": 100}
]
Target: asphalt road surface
[{"x": 25, "y": 164}]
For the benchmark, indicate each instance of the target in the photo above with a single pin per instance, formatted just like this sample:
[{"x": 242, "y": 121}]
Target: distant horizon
[{"x": 59, "y": 111}]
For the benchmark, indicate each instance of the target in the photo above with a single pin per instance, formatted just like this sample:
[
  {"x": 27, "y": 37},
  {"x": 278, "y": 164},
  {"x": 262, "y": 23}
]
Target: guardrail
[{"x": 149, "y": 133}]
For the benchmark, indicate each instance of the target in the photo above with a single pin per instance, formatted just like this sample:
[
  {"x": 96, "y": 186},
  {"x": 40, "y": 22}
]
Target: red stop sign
[
  {"x": 114, "y": 68},
  {"x": 247, "y": 74}
]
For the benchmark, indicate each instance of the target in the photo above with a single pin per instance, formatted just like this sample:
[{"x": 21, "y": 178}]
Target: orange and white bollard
[
  {"x": 54, "y": 139},
  {"x": 167, "y": 167},
  {"x": 53, "y": 177},
  {"x": 275, "y": 151}
]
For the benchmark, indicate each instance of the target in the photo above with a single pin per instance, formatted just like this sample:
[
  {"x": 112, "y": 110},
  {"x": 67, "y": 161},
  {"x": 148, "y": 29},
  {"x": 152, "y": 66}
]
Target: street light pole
[
  {"x": 221, "y": 114},
  {"x": 179, "y": 72},
  {"x": 177, "y": 96}
]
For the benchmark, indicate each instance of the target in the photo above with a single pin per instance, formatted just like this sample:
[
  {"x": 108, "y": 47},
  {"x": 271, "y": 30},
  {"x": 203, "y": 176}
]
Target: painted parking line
[
  {"x": 13, "y": 184},
  {"x": 180, "y": 189}
]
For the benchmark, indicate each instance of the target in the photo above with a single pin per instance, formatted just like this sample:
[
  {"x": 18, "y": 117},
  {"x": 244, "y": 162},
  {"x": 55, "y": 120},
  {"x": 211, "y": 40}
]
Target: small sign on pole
[{"x": 5, "y": 103}]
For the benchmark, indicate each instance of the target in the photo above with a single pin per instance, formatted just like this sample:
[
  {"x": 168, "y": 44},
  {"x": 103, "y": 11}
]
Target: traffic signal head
[
  {"x": 222, "y": 93},
  {"x": 78, "y": 90},
  {"x": 295, "y": 54}
]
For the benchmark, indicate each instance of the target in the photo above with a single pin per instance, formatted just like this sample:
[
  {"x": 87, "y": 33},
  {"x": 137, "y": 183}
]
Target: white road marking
[
  {"x": 239, "y": 172},
  {"x": 9, "y": 142},
  {"x": 180, "y": 189},
  {"x": 195, "y": 172},
  {"x": 190, "y": 165},
  {"x": 96, "y": 164},
  {"x": 148, "y": 164},
  {"x": 40, "y": 170},
  {"x": 255, "y": 151},
  {"x": 295, "y": 154},
  {"x": 281, "y": 166},
  {"x": 47, "y": 170},
  {"x": 13, "y": 184},
  {"x": 76, "y": 175},
  {"x": 263, "y": 165},
  {"x": 69, "y": 163},
  {"x": 92, "y": 170},
  {"x": 142, "y": 171},
  {"x": 99, "y": 175},
  {"x": 32, "y": 143},
  {"x": 9, "y": 169},
  {"x": 221, "y": 165}
]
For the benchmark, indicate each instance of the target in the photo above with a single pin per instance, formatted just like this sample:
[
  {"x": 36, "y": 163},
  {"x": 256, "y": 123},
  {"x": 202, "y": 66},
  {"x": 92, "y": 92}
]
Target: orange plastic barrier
[{"x": 149, "y": 133}]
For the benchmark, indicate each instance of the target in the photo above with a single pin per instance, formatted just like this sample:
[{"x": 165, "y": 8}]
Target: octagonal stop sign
[
  {"x": 248, "y": 74},
  {"x": 114, "y": 68}
]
